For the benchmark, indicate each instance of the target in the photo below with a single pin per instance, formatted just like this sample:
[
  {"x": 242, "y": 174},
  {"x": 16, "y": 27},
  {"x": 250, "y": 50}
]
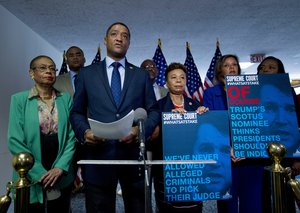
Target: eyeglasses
[
  {"x": 150, "y": 66},
  {"x": 76, "y": 55},
  {"x": 45, "y": 68}
]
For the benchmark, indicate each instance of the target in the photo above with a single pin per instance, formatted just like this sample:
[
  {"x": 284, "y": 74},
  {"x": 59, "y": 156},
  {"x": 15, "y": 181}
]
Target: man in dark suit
[
  {"x": 75, "y": 60},
  {"x": 150, "y": 66},
  {"x": 159, "y": 91},
  {"x": 94, "y": 95}
]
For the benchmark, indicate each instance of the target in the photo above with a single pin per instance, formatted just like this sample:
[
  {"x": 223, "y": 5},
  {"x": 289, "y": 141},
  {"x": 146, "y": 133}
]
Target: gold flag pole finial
[
  {"x": 159, "y": 42},
  {"x": 99, "y": 49},
  {"x": 187, "y": 45},
  {"x": 218, "y": 43},
  {"x": 64, "y": 56}
]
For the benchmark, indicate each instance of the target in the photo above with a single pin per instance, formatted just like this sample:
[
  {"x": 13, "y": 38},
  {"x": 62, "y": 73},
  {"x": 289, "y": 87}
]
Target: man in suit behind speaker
[
  {"x": 66, "y": 83},
  {"x": 75, "y": 60},
  {"x": 109, "y": 91},
  {"x": 159, "y": 91},
  {"x": 150, "y": 66}
]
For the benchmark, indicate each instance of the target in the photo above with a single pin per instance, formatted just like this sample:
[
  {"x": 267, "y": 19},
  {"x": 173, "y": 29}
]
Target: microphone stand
[
  {"x": 147, "y": 172},
  {"x": 147, "y": 168}
]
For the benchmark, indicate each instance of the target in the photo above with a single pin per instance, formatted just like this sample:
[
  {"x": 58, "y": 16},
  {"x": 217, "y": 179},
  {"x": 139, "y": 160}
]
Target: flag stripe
[
  {"x": 194, "y": 84},
  {"x": 161, "y": 64},
  {"x": 208, "y": 82},
  {"x": 97, "y": 58},
  {"x": 63, "y": 68}
]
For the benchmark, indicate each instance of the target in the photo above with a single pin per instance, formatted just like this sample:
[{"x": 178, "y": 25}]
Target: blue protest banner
[
  {"x": 261, "y": 110},
  {"x": 191, "y": 136}
]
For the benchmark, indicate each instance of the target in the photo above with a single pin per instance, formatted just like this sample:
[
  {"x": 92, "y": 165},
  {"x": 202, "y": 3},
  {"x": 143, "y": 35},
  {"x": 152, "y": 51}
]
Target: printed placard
[
  {"x": 191, "y": 136},
  {"x": 261, "y": 110}
]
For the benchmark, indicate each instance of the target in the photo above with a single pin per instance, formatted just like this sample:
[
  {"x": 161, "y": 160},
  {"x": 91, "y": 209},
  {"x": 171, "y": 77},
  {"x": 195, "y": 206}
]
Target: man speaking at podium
[{"x": 106, "y": 92}]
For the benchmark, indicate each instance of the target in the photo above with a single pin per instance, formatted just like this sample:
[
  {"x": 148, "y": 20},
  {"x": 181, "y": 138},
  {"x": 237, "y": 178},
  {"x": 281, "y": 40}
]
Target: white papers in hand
[{"x": 114, "y": 130}]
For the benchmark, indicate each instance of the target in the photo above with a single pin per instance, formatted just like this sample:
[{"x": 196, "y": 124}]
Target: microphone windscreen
[{"x": 140, "y": 113}]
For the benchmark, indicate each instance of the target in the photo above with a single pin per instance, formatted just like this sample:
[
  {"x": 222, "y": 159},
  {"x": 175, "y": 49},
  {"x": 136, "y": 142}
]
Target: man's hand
[
  {"x": 155, "y": 133},
  {"x": 90, "y": 139},
  {"x": 132, "y": 137}
]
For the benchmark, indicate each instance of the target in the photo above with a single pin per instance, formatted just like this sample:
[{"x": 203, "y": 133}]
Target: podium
[{"x": 147, "y": 165}]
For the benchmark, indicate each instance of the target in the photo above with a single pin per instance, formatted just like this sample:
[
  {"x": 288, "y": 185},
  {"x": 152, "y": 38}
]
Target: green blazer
[{"x": 24, "y": 136}]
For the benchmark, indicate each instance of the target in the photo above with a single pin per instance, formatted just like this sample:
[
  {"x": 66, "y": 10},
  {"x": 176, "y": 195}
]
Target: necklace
[
  {"x": 176, "y": 104},
  {"x": 46, "y": 97}
]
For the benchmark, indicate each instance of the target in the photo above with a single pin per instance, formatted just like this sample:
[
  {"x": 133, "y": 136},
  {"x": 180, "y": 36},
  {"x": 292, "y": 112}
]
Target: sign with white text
[
  {"x": 191, "y": 136},
  {"x": 261, "y": 110}
]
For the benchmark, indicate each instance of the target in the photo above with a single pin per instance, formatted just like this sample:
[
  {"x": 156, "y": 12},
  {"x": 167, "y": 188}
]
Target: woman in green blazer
[{"x": 39, "y": 124}]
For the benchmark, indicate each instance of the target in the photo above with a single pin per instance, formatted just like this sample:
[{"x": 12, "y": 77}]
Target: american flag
[
  {"x": 97, "y": 58},
  {"x": 161, "y": 65},
  {"x": 63, "y": 68},
  {"x": 194, "y": 86},
  {"x": 208, "y": 82}
]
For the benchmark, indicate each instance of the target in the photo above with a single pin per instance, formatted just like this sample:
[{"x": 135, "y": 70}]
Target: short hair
[
  {"x": 279, "y": 63},
  {"x": 37, "y": 58},
  {"x": 117, "y": 23},
  {"x": 143, "y": 64},
  {"x": 174, "y": 66},
  {"x": 76, "y": 48},
  {"x": 218, "y": 75}
]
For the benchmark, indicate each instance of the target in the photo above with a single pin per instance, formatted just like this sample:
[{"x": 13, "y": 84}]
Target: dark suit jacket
[
  {"x": 93, "y": 93},
  {"x": 215, "y": 98}
]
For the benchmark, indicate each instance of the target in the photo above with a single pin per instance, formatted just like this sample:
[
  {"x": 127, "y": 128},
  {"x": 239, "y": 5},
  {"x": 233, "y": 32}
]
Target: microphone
[{"x": 140, "y": 115}]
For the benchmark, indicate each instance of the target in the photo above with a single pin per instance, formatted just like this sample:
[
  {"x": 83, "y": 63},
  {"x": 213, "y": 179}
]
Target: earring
[{"x": 32, "y": 77}]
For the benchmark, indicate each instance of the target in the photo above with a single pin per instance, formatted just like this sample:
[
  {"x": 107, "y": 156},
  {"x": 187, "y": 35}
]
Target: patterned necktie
[{"x": 116, "y": 83}]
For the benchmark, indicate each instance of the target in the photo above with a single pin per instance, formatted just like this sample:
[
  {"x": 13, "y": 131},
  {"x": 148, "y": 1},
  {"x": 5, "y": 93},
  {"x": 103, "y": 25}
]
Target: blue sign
[
  {"x": 191, "y": 136},
  {"x": 261, "y": 110}
]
